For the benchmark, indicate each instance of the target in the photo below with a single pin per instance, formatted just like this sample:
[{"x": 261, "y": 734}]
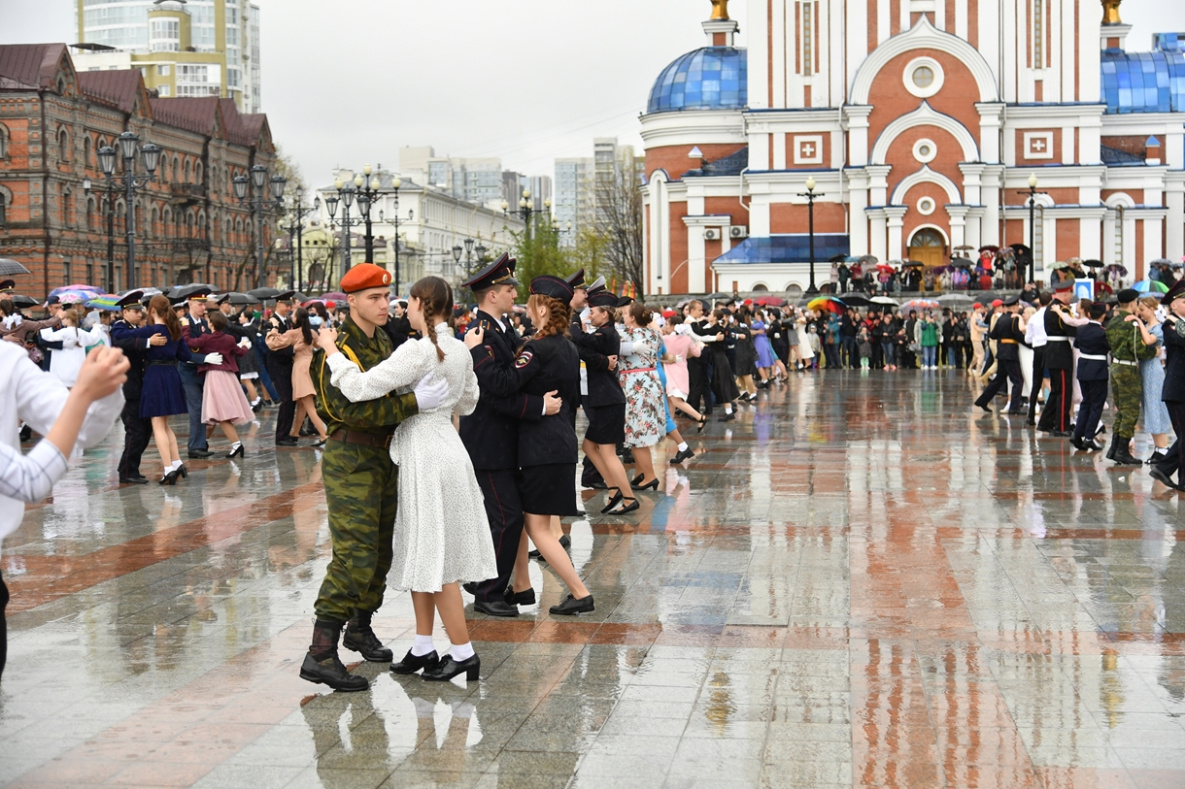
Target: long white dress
[
  {"x": 805, "y": 352},
  {"x": 65, "y": 362},
  {"x": 441, "y": 531}
]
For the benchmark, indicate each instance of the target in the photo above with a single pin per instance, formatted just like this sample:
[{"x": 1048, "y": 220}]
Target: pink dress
[{"x": 682, "y": 346}]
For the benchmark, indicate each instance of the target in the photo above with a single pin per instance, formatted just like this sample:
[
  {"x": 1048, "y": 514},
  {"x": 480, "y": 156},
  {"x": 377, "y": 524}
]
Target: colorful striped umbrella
[
  {"x": 1150, "y": 286},
  {"x": 828, "y": 304},
  {"x": 106, "y": 302}
]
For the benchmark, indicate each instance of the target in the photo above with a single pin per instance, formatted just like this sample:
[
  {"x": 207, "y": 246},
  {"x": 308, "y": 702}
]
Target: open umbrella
[
  {"x": 827, "y": 304},
  {"x": 771, "y": 301},
  {"x": 989, "y": 248},
  {"x": 1160, "y": 262},
  {"x": 961, "y": 263},
  {"x": 856, "y": 300},
  {"x": 22, "y": 302},
  {"x": 1117, "y": 269},
  {"x": 263, "y": 294},
  {"x": 840, "y": 258},
  {"x": 920, "y": 304},
  {"x": 1093, "y": 263},
  {"x": 238, "y": 299},
  {"x": 1150, "y": 286},
  {"x": 912, "y": 264},
  {"x": 184, "y": 291},
  {"x": 868, "y": 260},
  {"x": 885, "y": 268},
  {"x": 9, "y": 266},
  {"x": 84, "y": 292},
  {"x": 954, "y": 300},
  {"x": 965, "y": 248},
  {"x": 1057, "y": 265},
  {"x": 106, "y": 302},
  {"x": 335, "y": 296},
  {"x": 886, "y": 301}
]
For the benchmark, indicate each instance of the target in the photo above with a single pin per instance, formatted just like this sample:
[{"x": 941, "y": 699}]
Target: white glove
[
  {"x": 627, "y": 348},
  {"x": 213, "y": 358},
  {"x": 430, "y": 393},
  {"x": 245, "y": 343}
]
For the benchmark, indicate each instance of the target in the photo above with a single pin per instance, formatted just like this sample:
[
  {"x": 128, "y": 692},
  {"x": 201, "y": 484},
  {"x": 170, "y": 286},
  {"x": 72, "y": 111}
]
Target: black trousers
[
  {"x": 1090, "y": 410},
  {"x": 137, "y": 432},
  {"x": 3, "y": 625},
  {"x": 697, "y": 382},
  {"x": 504, "y": 510},
  {"x": 1038, "y": 377},
  {"x": 1008, "y": 372},
  {"x": 1056, "y": 415},
  {"x": 282, "y": 381},
  {"x": 1173, "y": 461}
]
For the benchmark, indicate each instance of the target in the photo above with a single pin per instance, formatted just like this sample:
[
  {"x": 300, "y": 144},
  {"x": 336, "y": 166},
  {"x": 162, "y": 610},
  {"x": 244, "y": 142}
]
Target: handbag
[{"x": 914, "y": 347}]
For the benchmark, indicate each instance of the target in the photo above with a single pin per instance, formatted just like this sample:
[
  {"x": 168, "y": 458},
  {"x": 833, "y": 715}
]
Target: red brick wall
[
  {"x": 679, "y": 276},
  {"x": 674, "y": 159},
  {"x": 957, "y": 97},
  {"x": 793, "y": 218},
  {"x": 1069, "y": 238}
]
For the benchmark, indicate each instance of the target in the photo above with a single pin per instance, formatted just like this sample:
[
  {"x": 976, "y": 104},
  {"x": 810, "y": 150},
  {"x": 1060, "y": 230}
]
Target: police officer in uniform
[
  {"x": 1059, "y": 358},
  {"x": 361, "y": 485},
  {"x": 1008, "y": 334},
  {"x": 1127, "y": 350},
  {"x": 137, "y": 430},
  {"x": 1173, "y": 461},
  {"x": 490, "y": 434},
  {"x": 1092, "y": 345},
  {"x": 279, "y": 369}
]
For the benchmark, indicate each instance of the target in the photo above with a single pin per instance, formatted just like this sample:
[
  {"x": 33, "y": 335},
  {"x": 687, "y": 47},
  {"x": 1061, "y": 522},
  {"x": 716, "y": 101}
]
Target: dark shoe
[
  {"x": 728, "y": 416},
  {"x": 470, "y": 587},
  {"x": 411, "y": 663},
  {"x": 1031, "y": 422},
  {"x": 1125, "y": 458},
  {"x": 535, "y": 554},
  {"x": 331, "y": 672},
  {"x": 699, "y": 423},
  {"x": 286, "y": 442},
  {"x": 623, "y": 508},
  {"x": 307, "y": 432},
  {"x": 320, "y": 442},
  {"x": 1163, "y": 478},
  {"x": 169, "y": 479},
  {"x": 574, "y": 606},
  {"x": 449, "y": 668},
  {"x": 627, "y": 457},
  {"x": 200, "y": 454},
  {"x": 598, "y": 485},
  {"x": 1078, "y": 443},
  {"x": 26, "y": 434},
  {"x": 525, "y": 597},
  {"x": 651, "y": 485},
  {"x": 183, "y": 471},
  {"x": 565, "y": 542},
  {"x": 360, "y": 638},
  {"x": 1114, "y": 446},
  {"x": 613, "y": 500},
  {"x": 1017, "y": 412},
  {"x": 983, "y": 408},
  {"x": 237, "y": 452},
  {"x": 1156, "y": 458},
  {"x": 495, "y": 608},
  {"x": 1090, "y": 445},
  {"x": 137, "y": 480},
  {"x": 681, "y": 455},
  {"x": 636, "y": 481}
]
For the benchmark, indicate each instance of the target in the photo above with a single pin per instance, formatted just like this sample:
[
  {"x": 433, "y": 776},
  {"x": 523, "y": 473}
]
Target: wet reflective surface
[{"x": 858, "y": 583}]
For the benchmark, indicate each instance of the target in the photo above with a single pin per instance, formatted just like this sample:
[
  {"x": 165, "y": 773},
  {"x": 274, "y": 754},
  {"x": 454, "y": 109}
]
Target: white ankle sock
[
  {"x": 728, "y": 409},
  {"x": 422, "y": 646},
  {"x": 461, "y": 651},
  {"x": 176, "y": 464},
  {"x": 683, "y": 447}
]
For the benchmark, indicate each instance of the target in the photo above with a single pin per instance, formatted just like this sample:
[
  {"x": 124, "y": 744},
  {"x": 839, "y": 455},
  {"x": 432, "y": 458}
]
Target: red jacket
[{"x": 216, "y": 342}]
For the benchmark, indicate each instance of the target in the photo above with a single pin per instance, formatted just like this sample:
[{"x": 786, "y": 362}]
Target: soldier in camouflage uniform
[
  {"x": 361, "y": 486},
  {"x": 1127, "y": 349}
]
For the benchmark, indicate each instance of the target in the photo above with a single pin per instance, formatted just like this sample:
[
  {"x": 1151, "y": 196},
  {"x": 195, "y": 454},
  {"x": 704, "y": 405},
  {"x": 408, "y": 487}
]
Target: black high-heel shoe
[
  {"x": 413, "y": 663},
  {"x": 637, "y": 481},
  {"x": 183, "y": 471},
  {"x": 626, "y": 507},
  {"x": 651, "y": 485},
  {"x": 700, "y": 423},
  {"x": 613, "y": 501},
  {"x": 236, "y": 452},
  {"x": 451, "y": 667},
  {"x": 169, "y": 478}
]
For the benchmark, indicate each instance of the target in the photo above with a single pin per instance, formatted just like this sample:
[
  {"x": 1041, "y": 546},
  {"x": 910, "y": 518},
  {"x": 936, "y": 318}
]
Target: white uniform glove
[
  {"x": 245, "y": 343},
  {"x": 431, "y": 393},
  {"x": 213, "y": 358}
]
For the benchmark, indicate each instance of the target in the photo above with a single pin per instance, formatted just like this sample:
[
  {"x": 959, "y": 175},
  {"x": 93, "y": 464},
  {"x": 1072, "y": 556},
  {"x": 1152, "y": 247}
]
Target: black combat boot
[
  {"x": 1123, "y": 455},
  {"x": 321, "y": 663},
  {"x": 1114, "y": 446},
  {"x": 360, "y": 638}
]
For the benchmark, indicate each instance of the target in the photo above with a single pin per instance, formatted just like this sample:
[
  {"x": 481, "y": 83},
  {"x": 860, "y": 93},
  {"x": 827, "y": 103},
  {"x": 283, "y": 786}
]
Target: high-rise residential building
[
  {"x": 186, "y": 48},
  {"x": 537, "y": 186},
  {"x": 578, "y": 180},
  {"x": 473, "y": 180}
]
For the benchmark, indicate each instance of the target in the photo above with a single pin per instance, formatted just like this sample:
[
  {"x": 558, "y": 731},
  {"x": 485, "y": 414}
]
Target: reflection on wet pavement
[{"x": 858, "y": 583}]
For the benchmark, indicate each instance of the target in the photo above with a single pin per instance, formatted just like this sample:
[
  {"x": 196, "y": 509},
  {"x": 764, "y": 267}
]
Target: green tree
[{"x": 539, "y": 252}]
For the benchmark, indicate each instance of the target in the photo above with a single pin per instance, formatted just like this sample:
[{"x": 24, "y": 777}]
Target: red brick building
[{"x": 53, "y": 199}]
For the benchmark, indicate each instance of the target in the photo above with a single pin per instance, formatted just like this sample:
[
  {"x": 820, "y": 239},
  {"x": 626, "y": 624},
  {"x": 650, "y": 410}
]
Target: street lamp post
[
  {"x": 150, "y": 156},
  {"x": 1032, "y": 193},
  {"x": 109, "y": 213},
  {"x": 346, "y": 193},
  {"x": 526, "y": 209},
  {"x": 367, "y": 193},
  {"x": 395, "y": 184},
  {"x": 296, "y": 226},
  {"x": 469, "y": 250},
  {"x": 810, "y": 194},
  {"x": 258, "y": 202}
]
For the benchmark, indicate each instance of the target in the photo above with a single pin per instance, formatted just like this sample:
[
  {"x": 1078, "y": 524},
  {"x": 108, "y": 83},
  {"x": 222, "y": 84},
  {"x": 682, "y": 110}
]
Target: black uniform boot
[
  {"x": 360, "y": 638},
  {"x": 1123, "y": 455},
  {"x": 321, "y": 663},
  {"x": 1114, "y": 446}
]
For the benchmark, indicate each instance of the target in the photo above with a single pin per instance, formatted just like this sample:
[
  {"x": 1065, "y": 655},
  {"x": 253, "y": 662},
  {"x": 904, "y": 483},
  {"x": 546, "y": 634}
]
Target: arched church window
[{"x": 1038, "y": 11}]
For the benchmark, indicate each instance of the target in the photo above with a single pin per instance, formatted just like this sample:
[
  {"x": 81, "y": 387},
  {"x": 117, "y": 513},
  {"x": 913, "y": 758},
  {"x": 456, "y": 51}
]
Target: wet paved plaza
[{"x": 858, "y": 583}]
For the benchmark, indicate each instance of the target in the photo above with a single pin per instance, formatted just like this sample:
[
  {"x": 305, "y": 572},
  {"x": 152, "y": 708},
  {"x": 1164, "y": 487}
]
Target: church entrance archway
[{"x": 927, "y": 246}]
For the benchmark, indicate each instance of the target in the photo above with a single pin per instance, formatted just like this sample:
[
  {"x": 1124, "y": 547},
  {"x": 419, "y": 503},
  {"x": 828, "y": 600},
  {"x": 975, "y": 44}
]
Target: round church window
[
  {"x": 924, "y": 150},
  {"x": 923, "y": 77},
  {"x": 926, "y": 206}
]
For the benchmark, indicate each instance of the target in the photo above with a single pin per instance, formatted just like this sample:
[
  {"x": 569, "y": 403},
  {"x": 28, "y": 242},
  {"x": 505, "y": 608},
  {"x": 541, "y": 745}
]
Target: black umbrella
[
  {"x": 184, "y": 291},
  {"x": 9, "y": 266},
  {"x": 263, "y": 294},
  {"x": 1093, "y": 263},
  {"x": 837, "y": 258},
  {"x": 855, "y": 300},
  {"x": 23, "y": 302},
  {"x": 239, "y": 299}
]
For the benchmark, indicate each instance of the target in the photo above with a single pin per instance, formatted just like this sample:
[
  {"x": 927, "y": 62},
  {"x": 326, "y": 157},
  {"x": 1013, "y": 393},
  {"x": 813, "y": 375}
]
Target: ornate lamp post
[
  {"x": 150, "y": 156},
  {"x": 257, "y": 200},
  {"x": 469, "y": 250},
  {"x": 810, "y": 196},
  {"x": 295, "y": 225},
  {"x": 1032, "y": 193},
  {"x": 395, "y": 184},
  {"x": 367, "y": 192},
  {"x": 526, "y": 209},
  {"x": 346, "y": 193}
]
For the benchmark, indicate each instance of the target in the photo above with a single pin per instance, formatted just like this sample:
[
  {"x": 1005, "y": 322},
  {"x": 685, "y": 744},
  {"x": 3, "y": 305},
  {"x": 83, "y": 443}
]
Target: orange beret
[{"x": 365, "y": 276}]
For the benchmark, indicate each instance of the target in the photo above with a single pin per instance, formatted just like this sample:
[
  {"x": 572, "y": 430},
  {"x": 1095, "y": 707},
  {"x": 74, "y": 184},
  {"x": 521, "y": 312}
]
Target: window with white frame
[{"x": 164, "y": 35}]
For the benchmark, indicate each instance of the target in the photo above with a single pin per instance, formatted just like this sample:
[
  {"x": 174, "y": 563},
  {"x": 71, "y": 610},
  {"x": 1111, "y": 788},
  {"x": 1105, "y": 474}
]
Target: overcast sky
[{"x": 350, "y": 82}]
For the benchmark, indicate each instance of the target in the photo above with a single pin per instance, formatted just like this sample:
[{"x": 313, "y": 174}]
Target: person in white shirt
[
  {"x": 66, "y": 362},
  {"x": 1036, "y": 337},
  {"x": 81, "y": 416}
]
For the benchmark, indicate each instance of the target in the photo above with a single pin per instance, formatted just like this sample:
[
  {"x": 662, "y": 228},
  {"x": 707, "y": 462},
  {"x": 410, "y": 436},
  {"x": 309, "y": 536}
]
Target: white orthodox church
[{"x": 921, "y": 123}]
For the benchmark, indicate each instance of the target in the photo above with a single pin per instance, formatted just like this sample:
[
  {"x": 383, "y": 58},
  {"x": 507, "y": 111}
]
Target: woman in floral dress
[{"x": 645, "y": 416}]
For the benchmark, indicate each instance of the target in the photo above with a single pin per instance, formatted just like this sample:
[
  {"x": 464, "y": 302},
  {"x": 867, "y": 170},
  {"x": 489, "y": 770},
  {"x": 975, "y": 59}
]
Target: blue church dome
[
  {"x": 711, "y": 78},
  {"x": 1145, "y": 81}
]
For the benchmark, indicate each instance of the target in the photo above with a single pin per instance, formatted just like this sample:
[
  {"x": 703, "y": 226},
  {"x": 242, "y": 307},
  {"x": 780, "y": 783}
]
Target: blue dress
[
  {"x": 162, "y": 394},
  {"x": 765, "y": 351},
  {"x": 1156, "y": 414}
]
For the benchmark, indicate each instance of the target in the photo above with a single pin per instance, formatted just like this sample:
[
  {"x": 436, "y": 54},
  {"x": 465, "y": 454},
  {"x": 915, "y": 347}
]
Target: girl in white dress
[
  {"x": 442, "y": 536},
  {"x": 66, "y": 362}
]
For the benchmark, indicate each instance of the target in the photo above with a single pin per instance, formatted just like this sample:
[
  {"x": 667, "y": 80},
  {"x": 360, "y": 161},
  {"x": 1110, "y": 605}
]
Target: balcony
[{"x": 187, "y": 193}]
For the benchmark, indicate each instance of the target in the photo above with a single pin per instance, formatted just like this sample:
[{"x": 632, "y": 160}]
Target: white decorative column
[
  {"x": 856, "y": 119},
  {"x": 990, "y": 119},
  {"x": 857, "y": 203},
  {"x": 990, "y": 198},
  {"x": 878, "y": 184},
  {"x": 958, "y": 224},
  {"x": 1174, "y": 200},
  {"x": 895, "y": 216},
  {"x": 878, "y": 233}
]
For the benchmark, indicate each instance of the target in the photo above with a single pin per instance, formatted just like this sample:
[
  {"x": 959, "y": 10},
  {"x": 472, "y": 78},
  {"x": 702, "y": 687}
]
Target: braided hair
[{"x": 436, "y": 299}]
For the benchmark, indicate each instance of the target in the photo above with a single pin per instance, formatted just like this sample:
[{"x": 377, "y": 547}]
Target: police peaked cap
[
  {"x": 602, "y": 298},
  {"x": 577, "y": 280},
  {"x": 598, "y": 285},
  {"x": 131, "y": 299},
  {"x": 500, "y": 272},
  {"x": 553, "y": 287},
  {"x": 1177, "y": 291}
]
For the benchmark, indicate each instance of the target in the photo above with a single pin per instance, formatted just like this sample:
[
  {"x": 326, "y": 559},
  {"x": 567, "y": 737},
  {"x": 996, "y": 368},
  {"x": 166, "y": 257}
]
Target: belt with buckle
[
  {"x": 1095, "y": 357},
  {"x": 364, "y": 439},
  {"x": 1125, "y": 362}
]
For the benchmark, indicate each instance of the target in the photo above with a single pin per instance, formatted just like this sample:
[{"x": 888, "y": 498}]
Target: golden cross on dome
[
  {"x": 720, "y": 9},
  {"x": 1111, "y": 12}
]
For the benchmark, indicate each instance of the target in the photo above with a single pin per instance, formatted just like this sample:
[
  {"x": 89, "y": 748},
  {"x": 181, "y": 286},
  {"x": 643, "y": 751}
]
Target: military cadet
[
  {"x": 137, "y": 430},
  {"x": 1035, "y": 337},
  {"x": 1059, "y": 358},
  {"x": 191, "y": 379},
  {"x": 589, "y": 476},
  {"x": 490, "y": 434},
  {"x": 1008, "y": 333},
  {"x": 1173, "y": 393},
  {"x": 1128, "y": 349},
  {"x": 1092, "y": 345},
  {"x": 697, "y": 366},
  {"x": 361, "y": 485},
  {"x": 279, "y": 368}
]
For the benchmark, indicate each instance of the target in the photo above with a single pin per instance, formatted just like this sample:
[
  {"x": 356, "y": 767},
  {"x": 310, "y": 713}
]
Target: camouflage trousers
[
  {"x": 362, "y": 493},
  {"x": 1127, "y": 389}
]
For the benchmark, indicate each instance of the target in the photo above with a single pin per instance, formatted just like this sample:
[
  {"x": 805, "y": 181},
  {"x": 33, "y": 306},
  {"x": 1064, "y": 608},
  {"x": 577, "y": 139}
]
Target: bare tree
[{"x": 619, "y": 220}]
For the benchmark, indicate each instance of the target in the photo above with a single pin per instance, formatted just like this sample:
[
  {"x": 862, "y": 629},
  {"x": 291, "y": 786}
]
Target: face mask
[{"x": 315, "y": 320}]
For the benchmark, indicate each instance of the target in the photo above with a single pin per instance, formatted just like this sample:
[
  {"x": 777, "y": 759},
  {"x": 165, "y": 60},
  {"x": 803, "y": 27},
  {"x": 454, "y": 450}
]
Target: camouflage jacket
[
  {"x": 1127, "y": 344},
  {"x": 379, "y": 416}
]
